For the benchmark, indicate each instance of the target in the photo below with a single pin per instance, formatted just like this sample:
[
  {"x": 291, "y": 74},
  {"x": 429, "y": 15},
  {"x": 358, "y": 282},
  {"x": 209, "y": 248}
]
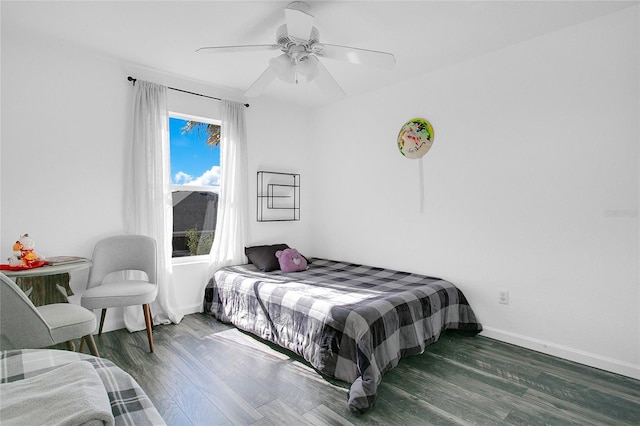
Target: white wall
[
  {"x": 65, "y": 125},
  {"x": 63, "y": 117},
  {"x": 278, "y": 141},
  {"x": 63, "y": 132},
  {"x": 531, "y": 186}
]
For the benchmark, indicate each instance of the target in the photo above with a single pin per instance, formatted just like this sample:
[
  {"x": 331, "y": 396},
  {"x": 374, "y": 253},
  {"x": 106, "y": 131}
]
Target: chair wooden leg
[
  {"x": 148, "y": 322},
  {"x": 82, "y": 343},
  {"x": 104, "y": 314},
  {"x": 71, "y": 346},
  {"x": 92, "y": 344}
]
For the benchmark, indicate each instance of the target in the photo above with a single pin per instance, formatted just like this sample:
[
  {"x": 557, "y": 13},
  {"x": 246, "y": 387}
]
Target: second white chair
[
  {"x": 25, "y": 326},
  {"x": 119, "y": 254}
]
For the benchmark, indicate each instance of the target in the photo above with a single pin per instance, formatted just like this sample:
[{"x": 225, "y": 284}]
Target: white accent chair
[
  {"x": 25, "y": 326},
  {"x": 120, "y": 254}
]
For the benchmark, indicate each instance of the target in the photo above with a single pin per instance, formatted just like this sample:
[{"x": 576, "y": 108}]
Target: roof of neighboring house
[{"x": 194, "y": 209}]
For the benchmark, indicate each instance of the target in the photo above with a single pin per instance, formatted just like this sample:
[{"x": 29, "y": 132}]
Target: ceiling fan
[{"x": 300, "y": 43}]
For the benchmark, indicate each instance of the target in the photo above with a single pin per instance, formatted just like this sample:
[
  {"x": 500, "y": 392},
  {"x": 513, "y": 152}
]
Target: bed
[
  {"x": 351, "y": 322},
  {"x": 47, "y": 386}
]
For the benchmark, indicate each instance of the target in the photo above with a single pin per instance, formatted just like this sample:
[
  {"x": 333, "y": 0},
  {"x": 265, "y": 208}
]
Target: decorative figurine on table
[{"x": 24, "y": 254}]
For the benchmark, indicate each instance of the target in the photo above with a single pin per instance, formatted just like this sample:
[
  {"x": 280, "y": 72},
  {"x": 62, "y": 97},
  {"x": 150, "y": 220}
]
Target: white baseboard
[
  {"x": 190, "y": 309},
  {"x": 565, "y": 352}
]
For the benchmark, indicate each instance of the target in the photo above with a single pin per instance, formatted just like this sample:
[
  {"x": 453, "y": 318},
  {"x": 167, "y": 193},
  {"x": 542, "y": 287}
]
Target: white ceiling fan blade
[
  {"x": 355, "y": 55},
  {"x": 265, "y": 79},
  {"x": 233, "y": 49},
  {"x": 299, "y": 20},
  {"x": 327, "y": 84}
]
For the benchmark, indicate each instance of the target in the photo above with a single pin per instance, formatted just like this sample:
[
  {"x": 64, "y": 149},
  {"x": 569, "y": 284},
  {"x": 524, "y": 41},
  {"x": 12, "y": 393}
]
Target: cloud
[
  {"x": 181, "y": 178},
  {"x": 209, "y": 178}
]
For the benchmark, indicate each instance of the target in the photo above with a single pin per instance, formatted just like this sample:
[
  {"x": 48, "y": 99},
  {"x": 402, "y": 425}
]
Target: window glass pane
[
  {"x": 195, "y": 175},
  {"x": 194, "y": 222}
]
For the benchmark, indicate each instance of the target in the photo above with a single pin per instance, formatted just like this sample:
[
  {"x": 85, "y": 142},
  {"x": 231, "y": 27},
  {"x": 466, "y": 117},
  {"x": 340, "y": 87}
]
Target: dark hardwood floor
[{"x": 204, "y": 372}]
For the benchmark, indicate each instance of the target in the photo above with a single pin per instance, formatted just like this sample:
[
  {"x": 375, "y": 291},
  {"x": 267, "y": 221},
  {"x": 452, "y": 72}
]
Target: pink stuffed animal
[{"x": 291, "y": 261}]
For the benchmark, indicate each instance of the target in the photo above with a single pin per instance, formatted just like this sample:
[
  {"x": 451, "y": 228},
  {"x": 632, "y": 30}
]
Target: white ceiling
[{"x": 423, "y": 35}]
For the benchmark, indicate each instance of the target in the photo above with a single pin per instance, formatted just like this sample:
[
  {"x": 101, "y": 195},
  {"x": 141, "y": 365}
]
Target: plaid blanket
[
  {"x": 129, "y": 404},
  {"x": 351, "y": 322}
]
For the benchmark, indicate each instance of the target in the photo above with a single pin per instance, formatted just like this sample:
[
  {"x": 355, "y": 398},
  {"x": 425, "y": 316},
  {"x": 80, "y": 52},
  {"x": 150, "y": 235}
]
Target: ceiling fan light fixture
[
  {"x": 289, "y": 76},
  {"x": 284, "y": 68},
  {"x": 288, "y": 69},
  {"x": 308, "y": 66}
]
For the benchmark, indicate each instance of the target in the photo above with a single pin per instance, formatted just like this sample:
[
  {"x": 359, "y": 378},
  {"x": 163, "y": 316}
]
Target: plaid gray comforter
[
  {"x": 351, "y": 322},
  {"x": 129, "y": 404}
]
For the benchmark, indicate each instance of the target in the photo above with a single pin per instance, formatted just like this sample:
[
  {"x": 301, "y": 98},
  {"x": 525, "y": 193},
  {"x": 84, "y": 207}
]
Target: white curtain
[
  {"x": 231, "y": 225},
  {"x": 148, "y": 205}
]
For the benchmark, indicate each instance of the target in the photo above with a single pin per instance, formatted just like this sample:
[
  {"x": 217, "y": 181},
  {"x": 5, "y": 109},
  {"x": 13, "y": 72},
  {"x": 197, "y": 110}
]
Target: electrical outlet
[{"x": 503, "y": 297}]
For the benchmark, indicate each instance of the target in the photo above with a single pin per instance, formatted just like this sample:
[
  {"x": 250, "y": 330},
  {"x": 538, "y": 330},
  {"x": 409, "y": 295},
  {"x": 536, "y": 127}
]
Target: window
[{"x": 195, "y": 182}]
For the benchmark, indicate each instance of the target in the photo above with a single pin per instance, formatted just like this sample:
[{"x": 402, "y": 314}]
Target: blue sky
[{"x": 192, "y": 160}]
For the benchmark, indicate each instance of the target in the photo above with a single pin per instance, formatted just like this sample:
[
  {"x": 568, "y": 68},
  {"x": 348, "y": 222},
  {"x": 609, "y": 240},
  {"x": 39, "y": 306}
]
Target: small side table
[{"x": 45, "y": 285}]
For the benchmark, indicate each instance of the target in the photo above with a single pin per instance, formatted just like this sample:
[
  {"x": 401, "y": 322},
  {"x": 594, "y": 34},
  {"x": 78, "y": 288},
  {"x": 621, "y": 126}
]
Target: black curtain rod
[{"x": 133, "y": 80}]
